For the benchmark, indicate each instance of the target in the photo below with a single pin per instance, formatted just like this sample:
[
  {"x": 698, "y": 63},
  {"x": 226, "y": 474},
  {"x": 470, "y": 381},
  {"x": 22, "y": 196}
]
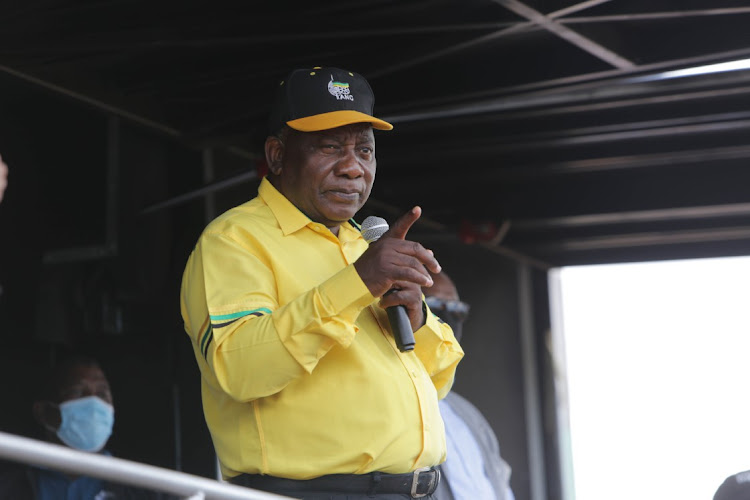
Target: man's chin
[
  {"x": 339, "y": 219},
  {"x": 342, "y": 212}
]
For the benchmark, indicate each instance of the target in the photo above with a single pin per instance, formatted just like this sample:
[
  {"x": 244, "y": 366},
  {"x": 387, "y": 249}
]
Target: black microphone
[{"x": 372, "y": 229}]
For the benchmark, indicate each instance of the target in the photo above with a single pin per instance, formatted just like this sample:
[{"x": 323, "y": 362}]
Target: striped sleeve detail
[
  {"x": 221, "y": 320},
  {"x": 217, "y": 321},
  {"x": 206, "y": 338}
]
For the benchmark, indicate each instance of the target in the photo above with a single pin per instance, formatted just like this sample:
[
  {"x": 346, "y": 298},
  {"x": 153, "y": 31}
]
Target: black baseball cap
[{"x": 323, "y": 98}]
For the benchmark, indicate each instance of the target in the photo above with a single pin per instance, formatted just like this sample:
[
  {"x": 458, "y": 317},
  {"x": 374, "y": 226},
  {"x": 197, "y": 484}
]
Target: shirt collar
[{"x": 290, "y": 218}]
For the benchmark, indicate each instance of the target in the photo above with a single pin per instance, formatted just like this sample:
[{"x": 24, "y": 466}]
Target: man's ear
[
  {"x": 47, "y": 414},
  {"x": 274, "y": 154}
]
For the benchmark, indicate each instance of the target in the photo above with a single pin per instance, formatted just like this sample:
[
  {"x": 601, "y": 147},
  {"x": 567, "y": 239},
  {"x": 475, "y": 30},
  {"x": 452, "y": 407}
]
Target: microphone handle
[{"x": 402, "y": 332}]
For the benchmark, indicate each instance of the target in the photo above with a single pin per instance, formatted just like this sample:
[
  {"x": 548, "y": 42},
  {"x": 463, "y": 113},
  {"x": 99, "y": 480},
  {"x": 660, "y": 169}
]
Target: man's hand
[
  {"x": 408, "y": 295},
  {"x": 3, "y": 177},
  {"x": 393, "y": 262}
]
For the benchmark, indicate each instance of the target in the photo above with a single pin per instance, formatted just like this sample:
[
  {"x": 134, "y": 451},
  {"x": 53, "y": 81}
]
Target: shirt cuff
[
  {"x": 431, "y": 322},
  {"x": 346, "y": 294}
]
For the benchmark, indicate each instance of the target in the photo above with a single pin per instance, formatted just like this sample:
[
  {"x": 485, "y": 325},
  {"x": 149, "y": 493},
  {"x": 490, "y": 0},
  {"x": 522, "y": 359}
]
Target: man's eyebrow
[{"x": 329, "y": 138}]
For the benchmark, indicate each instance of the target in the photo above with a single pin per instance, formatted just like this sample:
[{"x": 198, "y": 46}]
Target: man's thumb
[{"x": 403, "y": 224}]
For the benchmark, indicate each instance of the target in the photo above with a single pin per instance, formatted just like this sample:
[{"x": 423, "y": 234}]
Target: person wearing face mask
[
  {"x": 76, "y": 410},
  {"x": 473, "y": 468}
]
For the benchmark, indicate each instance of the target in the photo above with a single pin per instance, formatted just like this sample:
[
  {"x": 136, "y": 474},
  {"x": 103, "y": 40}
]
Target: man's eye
[{"x": 72, "y": 393}]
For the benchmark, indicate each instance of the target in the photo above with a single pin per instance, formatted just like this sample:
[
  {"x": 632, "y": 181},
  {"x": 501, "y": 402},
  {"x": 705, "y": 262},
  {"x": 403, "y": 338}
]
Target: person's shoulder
[
  {"x": 15, "y": 481},
  {"x": 735, "y": 487},
  {"x": 468, "y": 411},
  {"x": 453, "y": 397},
  {"x": 457, "y": 402},
  {"x": 11, "y": 469},
  {"x": 116, "y": 491},
  {"x": 253, "y": 209},
  {"x": 243, "y": 219}
]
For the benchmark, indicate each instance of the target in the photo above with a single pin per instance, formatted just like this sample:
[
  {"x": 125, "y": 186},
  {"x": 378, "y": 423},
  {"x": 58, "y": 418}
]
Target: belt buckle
[{"x": 415, "y": 482}]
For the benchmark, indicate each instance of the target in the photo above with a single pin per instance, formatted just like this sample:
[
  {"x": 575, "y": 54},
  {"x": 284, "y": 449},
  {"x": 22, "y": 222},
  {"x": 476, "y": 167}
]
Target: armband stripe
[
  {"x": 208, "y": 343},
  {"x": 257, "y": 312},
  {"x": 222, "y": 325},
  {"x": 208, "y": 335},
  {"x": 206, "y": 339}
]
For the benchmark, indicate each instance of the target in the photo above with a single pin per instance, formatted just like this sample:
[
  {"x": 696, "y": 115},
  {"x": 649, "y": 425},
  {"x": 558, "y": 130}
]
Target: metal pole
[
  {"x": 43, "y": 454},
  {"x": 176, "y": 417},
  {"x": 532, "y": 398},
  {"x": 113, "y": 182},
  {"x": 209, "y": 209},
  {"x": 562, "y": 402},
  {"x": 198, "y": 193}
]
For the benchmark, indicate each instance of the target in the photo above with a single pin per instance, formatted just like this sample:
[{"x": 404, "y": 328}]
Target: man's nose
[
  {"x": 350, "y": 164},
  {"x": 89, "y": 390}
]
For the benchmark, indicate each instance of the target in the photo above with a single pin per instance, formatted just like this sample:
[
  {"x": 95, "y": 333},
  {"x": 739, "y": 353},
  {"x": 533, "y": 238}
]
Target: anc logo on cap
[{"x": 340, "y": 90}]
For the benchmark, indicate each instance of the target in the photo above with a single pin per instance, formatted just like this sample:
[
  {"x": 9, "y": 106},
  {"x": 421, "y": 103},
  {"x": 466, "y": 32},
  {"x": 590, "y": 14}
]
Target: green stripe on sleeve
[{"x": 221, "y": 317}]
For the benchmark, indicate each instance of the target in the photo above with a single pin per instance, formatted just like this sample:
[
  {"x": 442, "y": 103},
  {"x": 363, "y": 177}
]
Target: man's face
[
  {"x": 328, "y": 175},
  {"x": 82, "y": 381},
  {"x": 442, "y": 297}
]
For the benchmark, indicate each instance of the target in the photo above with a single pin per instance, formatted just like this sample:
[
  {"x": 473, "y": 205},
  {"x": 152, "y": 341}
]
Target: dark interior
[{"x": 534, "y": 135}]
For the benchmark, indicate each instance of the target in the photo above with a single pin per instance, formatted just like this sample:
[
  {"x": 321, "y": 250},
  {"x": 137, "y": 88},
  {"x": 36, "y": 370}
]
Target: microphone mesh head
[{"x": 373, "y": 228}]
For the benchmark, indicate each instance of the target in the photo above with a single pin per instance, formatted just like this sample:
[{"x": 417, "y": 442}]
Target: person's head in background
[
  {"x": 735, "y": 487},
  {"x": 75, "y": 407},
  {"x": 3, "y": 178},
  {"x": 443, "y": 299}
]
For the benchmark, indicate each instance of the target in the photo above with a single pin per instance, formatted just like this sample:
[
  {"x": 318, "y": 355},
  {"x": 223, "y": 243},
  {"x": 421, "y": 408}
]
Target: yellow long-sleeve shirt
[{"x": 300, "y": 373}]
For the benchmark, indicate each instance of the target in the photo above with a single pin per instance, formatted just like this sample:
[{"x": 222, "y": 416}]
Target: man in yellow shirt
[{"x": 305, "y": 392}]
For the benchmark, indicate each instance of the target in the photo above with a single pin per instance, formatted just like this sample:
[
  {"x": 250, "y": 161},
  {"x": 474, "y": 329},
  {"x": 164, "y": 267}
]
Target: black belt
[{"x": 420, "y": 483}]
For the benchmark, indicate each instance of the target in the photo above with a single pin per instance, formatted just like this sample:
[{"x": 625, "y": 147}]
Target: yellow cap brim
[{"x": 334, "y": 119}]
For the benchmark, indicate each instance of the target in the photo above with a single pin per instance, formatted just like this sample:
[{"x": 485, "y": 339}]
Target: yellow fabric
[{"x": 300, "y": 374}]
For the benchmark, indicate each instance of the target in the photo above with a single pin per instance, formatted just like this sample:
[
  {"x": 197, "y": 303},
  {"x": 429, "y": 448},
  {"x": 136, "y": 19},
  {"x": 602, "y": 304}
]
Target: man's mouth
[{"x": 345, "y": 194}]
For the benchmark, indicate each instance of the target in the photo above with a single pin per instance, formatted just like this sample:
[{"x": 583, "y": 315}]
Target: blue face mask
[{"x": 86, "y": 423}]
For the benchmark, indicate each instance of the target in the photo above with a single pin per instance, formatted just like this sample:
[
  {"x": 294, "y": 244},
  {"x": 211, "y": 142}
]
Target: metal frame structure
[
  {"x": 581, "y": 142},
  {"x": 117, "y": 470},
  {"x": 621, "y": 81}
]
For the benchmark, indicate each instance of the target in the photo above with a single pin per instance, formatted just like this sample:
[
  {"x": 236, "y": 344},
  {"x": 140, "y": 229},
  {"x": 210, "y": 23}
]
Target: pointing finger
[{"x": 404, "y": 223}]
